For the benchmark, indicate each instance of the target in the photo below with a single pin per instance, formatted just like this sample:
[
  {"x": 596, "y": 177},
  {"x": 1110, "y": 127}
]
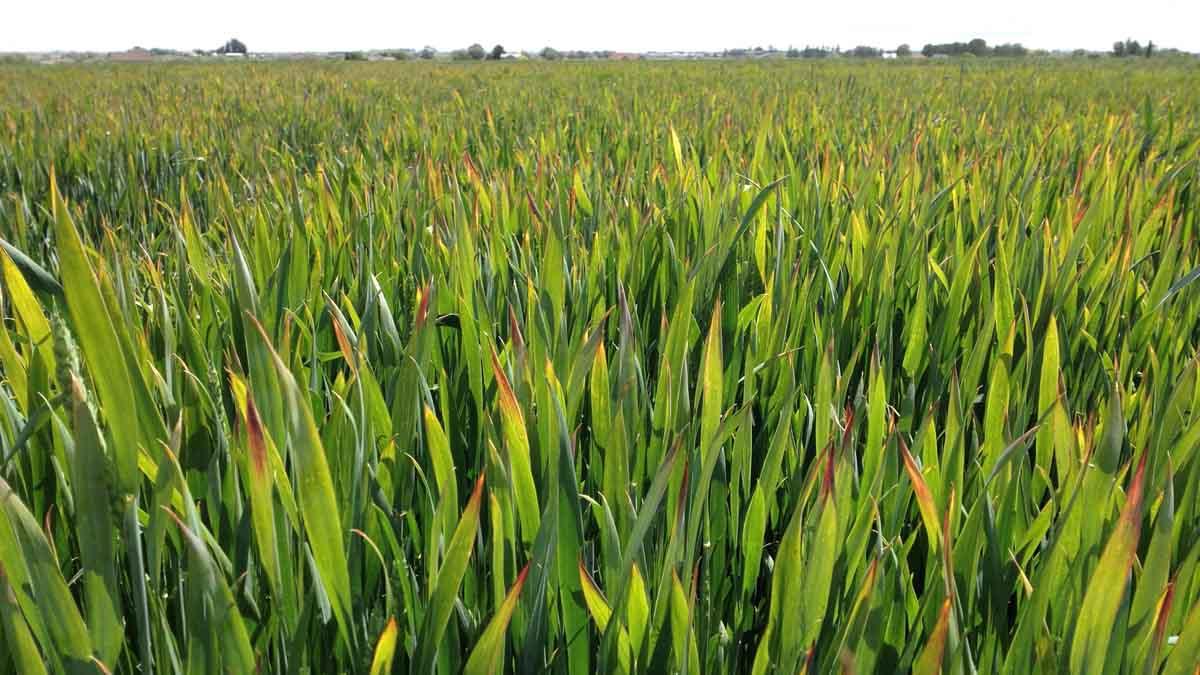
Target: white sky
[{"x": 623, "y": 25}]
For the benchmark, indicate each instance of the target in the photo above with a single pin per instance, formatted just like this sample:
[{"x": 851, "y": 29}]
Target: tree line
[{"x": 977, "y": 47}]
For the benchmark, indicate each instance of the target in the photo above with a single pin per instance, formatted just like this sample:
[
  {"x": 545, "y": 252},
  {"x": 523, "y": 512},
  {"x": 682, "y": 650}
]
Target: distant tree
[
  {"x": 1133, "y": 48},
  {"x": 793, "y": 53},
  {"x": 427, "y": 53},
  {"x": 1010, "y": 49},
  {"x": 476, "y": 51},
  {"x": 865, "y": 52},
  {"x": 551, "y": 54},
  {"x": 354, "y": 56},
  {"x": 1118, "y": 49},
  {"x": 904, "y": 51},
  {"x": 1149, "y": 48},
  {"x": 978, "y": 47},
  {"x": 928, "y": 51},
  {"x": 234, "y": 46},
  {"x": 497, "y": 53}
]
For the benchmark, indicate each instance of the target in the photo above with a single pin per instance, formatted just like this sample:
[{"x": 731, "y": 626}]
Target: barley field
[{"x": 732, "y": 367}]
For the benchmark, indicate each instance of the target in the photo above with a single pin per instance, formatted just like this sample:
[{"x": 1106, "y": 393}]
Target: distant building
[{"x": 137, "y": 54}]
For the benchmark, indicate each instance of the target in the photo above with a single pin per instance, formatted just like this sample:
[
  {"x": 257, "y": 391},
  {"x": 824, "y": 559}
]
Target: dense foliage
[{"x": 703, "y": 367}]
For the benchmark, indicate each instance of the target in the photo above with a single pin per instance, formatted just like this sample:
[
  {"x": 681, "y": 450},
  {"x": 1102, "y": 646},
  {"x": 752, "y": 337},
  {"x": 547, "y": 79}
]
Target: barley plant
[{"x": 592, "y": 368}]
